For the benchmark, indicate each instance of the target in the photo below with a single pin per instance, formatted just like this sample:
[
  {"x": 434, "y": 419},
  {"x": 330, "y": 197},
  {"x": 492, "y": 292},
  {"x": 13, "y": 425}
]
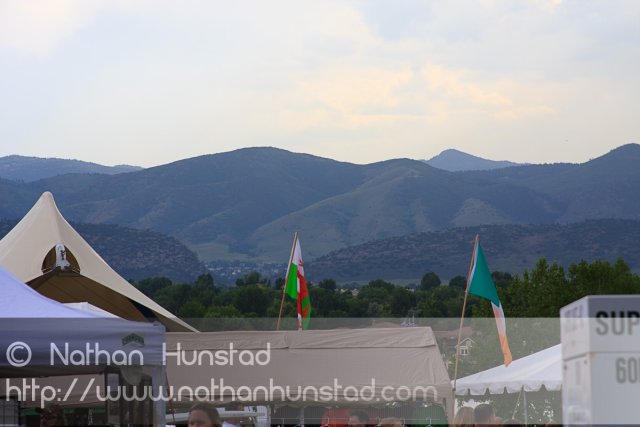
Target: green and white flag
[{"x": 481, "y": 284}]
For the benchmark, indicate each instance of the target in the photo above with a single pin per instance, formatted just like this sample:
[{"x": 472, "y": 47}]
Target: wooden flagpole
[
  {"x": 284, "y": 286},
  {"x": 464, "y": 306}
]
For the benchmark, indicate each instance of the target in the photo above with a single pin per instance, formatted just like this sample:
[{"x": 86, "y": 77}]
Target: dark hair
[
  {"x": 361, "y": 415},
  {"x": 483, "y": 413},
  {"x": 208, "y": 409}
]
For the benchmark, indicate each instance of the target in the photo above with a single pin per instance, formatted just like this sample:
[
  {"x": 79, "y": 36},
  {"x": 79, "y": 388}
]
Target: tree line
[{"x": 540, "y": 292}]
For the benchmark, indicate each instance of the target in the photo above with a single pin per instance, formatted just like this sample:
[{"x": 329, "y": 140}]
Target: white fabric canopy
[
  {"x": 26, "y": 249},
  {"x": 20, "y": 301},
  {"x": 402, "y": 358},
  {"x": 528, "y": 373},
  {"x": 40, "y": 323},
  {"x": 44, "y": 338}
]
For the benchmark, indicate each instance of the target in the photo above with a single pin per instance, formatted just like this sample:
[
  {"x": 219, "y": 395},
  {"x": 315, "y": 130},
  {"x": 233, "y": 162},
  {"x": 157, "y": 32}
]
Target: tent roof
[
  {"x": 37, "y": 322},
  {"x": 20, "y": 301},
  {"x": 530, "y": 373},
  {"x": 24, "y": 249},
  {"x": 402, "y": 357}
]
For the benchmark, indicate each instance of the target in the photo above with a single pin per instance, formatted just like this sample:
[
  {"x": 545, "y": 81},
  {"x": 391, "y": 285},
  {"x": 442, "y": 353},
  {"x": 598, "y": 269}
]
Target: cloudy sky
[{"x": 147, "y": 82}]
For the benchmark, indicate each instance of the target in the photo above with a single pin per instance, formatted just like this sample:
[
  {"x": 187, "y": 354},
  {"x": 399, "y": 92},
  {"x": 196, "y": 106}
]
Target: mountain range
[
  {"x": 246, "y": 204},
  {"x": 29, "y": 169}
]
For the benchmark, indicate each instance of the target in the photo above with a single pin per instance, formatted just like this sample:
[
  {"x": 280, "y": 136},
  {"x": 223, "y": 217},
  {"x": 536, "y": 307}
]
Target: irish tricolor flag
[
  {"x": 481, "y": 284},
  {"x": 296, "y": 286}
]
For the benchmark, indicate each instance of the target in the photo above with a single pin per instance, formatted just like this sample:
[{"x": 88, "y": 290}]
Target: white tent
[
  {"x": 45, "y": 252},
  {"x": 44, "y": 338},
  {"x": 379, "y": 361},
  {"x": 529, "y": 373}
]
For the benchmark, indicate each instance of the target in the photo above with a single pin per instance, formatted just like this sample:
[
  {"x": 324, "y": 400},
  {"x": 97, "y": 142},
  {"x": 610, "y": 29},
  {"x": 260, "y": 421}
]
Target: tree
[
  {"x": 380, "y": 284},
  {"x": 150, "y": 287},
  {"x": 402, "y": 300},
  {"x": 539, "y": 293},
  {"x": 192, "y": 309},
  {"x": 501, "y": 279},
  {"x": 601, "y": 277},
  {"x": 205, "y": 280},
  {"x": 251, "y": 278},
  {"x": 328, "y": 284},
  {"x": 252, "y": 299},
  {"x": 458, "y": 282},
  {"x": 376, "y": 291},
  {"x": 429, "y": 281},
  {"x": 223, "y": 311}
]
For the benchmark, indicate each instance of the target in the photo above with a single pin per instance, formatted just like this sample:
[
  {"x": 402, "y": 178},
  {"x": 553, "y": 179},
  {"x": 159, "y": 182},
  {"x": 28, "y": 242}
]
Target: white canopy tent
[
  {"x": 45, "y": 252},
  {"x": 383, "y": 360},
  {"x": 529, "y": 373},
  {"x": 40, "y": 335}
]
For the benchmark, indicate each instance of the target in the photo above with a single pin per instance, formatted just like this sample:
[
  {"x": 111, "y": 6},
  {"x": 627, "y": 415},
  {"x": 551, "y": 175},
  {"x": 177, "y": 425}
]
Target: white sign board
[{"x": 601, "y": 360}]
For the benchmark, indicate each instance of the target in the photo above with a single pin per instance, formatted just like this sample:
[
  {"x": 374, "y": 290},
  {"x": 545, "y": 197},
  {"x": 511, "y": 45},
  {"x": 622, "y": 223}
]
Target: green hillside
[
  {"x": 246, "y": 204},
  {"x": 510, "y": 248}
]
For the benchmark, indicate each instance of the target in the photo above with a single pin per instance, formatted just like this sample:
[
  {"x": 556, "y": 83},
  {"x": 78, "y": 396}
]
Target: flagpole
[
  {"x": 464, "y": 306},
  {"x": 284, "y": 286}
]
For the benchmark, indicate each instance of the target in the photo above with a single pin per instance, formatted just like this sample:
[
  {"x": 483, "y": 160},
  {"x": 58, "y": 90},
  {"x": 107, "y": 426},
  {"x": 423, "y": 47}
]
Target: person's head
[
  {"x": 483, "y": 414},
  {"x": 464, "y": 417},
  {"x": 390, "y": 422},
  {"x": 511, "y": 422},
  {"x": 204, "y": 414},
  {"x": 358, "y": 419}
]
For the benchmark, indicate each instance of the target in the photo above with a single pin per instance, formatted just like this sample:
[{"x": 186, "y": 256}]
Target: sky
[{"x": 149, "y": 82}]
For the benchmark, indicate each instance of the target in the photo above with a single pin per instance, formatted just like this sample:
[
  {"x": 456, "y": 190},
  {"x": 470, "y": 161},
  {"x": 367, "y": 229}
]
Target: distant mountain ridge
[
  {"x": 28, "y": 169},
  {"x": 453, "y": 160},
  {"x": 248, "y": 203},
  {"x": 511, "y": 248}
]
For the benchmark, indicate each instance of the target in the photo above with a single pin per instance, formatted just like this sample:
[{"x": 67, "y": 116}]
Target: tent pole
[
  {"x": 301, "y": 417},
  {"x": 524, "y": 401}
]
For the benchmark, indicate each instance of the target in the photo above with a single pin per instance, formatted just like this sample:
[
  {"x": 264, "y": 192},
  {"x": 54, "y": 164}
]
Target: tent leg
[
  {"x": 158, "y": 382},
  {"x": 526, "y": 418},
  {"x": 301, "y": 417}
]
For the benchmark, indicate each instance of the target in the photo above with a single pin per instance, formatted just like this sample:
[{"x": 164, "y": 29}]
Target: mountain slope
[
  {"x": 605, "y": 187},
  {"x": 510, "y": 248},
  {"x": 28, "y": 169},
  {"x": 219, "y": 198},
  {"x": 453, "y": 161},
  {"x": 401, "y": 197}
]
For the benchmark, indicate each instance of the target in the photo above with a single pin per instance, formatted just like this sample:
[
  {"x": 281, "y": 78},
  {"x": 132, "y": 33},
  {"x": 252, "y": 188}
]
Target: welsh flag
[
  {"x": 481, "y": 284},
  {"x": 296, "y": 286}
]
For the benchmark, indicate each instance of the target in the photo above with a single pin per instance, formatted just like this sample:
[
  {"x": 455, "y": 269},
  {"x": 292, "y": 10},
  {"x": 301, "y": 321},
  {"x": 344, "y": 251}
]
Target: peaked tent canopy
[
  {"x": 528, "y": 373},
  {"x": 31, "y": 252}
]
